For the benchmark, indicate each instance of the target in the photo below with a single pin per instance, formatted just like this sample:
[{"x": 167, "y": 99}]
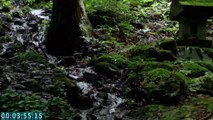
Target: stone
[
  {"x": 5, "y": 9},
  {"x": 165, "y": 86},
  {"x": 192, "y": 16}
]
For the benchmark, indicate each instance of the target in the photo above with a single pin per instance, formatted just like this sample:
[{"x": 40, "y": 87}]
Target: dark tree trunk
[{"x": 64, "y": 34}]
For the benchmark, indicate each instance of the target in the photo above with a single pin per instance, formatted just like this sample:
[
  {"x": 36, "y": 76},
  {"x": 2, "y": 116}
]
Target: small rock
[
  {"x": 18, "y": 22},
  {"x": 117, "y": 117},
  {"x": 16, "y": 14},
  {"x": 5, "y": 9},
  {"x": 103, "y": 95}
]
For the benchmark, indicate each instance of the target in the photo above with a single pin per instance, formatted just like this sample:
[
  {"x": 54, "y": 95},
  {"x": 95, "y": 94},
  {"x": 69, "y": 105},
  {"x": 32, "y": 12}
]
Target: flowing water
[
  {"x": 106, "y": 105},
  {"x": 105, "y": 102}
]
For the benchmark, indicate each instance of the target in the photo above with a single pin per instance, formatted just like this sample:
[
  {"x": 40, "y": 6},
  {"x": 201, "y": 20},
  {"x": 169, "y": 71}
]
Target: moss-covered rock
[
  {"x": 158, "y": 84},
  {"x": 106, "y": 69},
  {"x": 144, "y": 66},
  {"x": 209, "y": 52},
  {"x": 202, "y": 85},
  {"x": 206, "y": 64},
  {"x": 5, "y": 9},
  {"x": 169, "y": 44},
  {"x": 192, "y": 69},
  {"x": 115, "y": 59},
  {"x": 149, "y": 52},
  {"x": 204, "y": 3},
  {"x": 165, "y": 86},
  {"x": 166, "y": 55}
]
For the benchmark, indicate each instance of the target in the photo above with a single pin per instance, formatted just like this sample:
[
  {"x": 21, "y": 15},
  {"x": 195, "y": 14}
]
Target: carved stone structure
[{"x": 192, "y": 16}]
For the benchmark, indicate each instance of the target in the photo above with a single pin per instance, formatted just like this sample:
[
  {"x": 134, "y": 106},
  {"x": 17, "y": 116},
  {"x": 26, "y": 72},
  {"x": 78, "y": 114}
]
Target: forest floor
[{"x": 131, "y": 69}]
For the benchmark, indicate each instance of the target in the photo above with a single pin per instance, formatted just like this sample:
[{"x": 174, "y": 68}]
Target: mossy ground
[
  {"x": 149, "y": 74},
  {"x": 207, "y": 3},
  {"x": 168, "y": 88},
  {"x": 199, "y": 107}
]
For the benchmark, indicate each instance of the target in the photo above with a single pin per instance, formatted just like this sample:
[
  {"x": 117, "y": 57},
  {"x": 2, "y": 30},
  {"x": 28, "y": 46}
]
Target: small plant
[
  {"x": 210, "y": 108},
  {"x": 11, "y": 100},
  {"x": 31, "y": 55}
]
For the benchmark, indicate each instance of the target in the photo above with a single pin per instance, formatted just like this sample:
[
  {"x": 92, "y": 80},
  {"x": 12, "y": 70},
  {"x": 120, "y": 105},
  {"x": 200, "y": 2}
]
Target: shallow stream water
[{"x": 106, "y": 104}]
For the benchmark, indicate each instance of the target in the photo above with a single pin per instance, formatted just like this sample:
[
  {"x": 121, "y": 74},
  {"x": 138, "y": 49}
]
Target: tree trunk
[{"x": 64, "y": 34}]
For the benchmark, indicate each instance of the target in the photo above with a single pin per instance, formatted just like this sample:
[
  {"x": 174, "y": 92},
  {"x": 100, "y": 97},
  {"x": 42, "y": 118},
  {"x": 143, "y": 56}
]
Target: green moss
[
  {"x": 206, "y": 64},
  {"x": 5, "y": 39},
  {"x": 206, "y": 3},
  {"x": 18, "y": 47},
  {"x": 192, "y": 69},
  {"x": 209, "y": 52},
  {"x": 59, "y": 109},
  {"x": 184, "y": 112},
  {"x": 151, "y": 112},
  {"x": 107, "y": 69},
  {"x": 169, "y": 44},
  {"x": 143, "y": 51},
  {"x": 31, "y": 55},
  {"x": 158, "y": 83},
  {"x": 166, "y": 55},
  {"x": 190, "y": 109},
  {"x": 149, "y": 52},
  {"x": 115, "y": 59},
  {"x": 138, "y": 66},
  {"x": 165, "y": 86},
  {"x": 202, "y": 84}
]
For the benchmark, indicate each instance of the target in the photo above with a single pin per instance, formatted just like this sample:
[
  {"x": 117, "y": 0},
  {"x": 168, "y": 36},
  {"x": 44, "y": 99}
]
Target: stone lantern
[{"x": 192, "y": 16}]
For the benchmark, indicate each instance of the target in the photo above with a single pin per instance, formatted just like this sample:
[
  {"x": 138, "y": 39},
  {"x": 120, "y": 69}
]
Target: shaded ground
[{"x": 126, "y": 72}]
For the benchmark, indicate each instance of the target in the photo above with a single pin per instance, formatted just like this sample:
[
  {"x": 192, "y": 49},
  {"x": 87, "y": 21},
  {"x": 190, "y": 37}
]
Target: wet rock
[
  {"x": 5, "y": 9},
  {"x": 67, "y": 61},
  {"x": 4, "y": 83},
  {"x": 34, "y": 25},
  {"x": 91, "y": 78},
  {"x": 78, "y": 117},
  {"x": 18, "y": 22},
  {"x": 16, "y": 14},
  {"x": 2, "y": 30},
  {"x": 2, "y": 62},
  {"x": 107, "y": 69},
  {"x": 19, "y": 87},
  {"x": 91, "y": 117},
  {"x": 118, "y": 117}
]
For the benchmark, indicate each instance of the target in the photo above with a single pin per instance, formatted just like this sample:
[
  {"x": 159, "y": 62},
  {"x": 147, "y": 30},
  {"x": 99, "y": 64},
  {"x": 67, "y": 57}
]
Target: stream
[{"x": 106, "y": 102}]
